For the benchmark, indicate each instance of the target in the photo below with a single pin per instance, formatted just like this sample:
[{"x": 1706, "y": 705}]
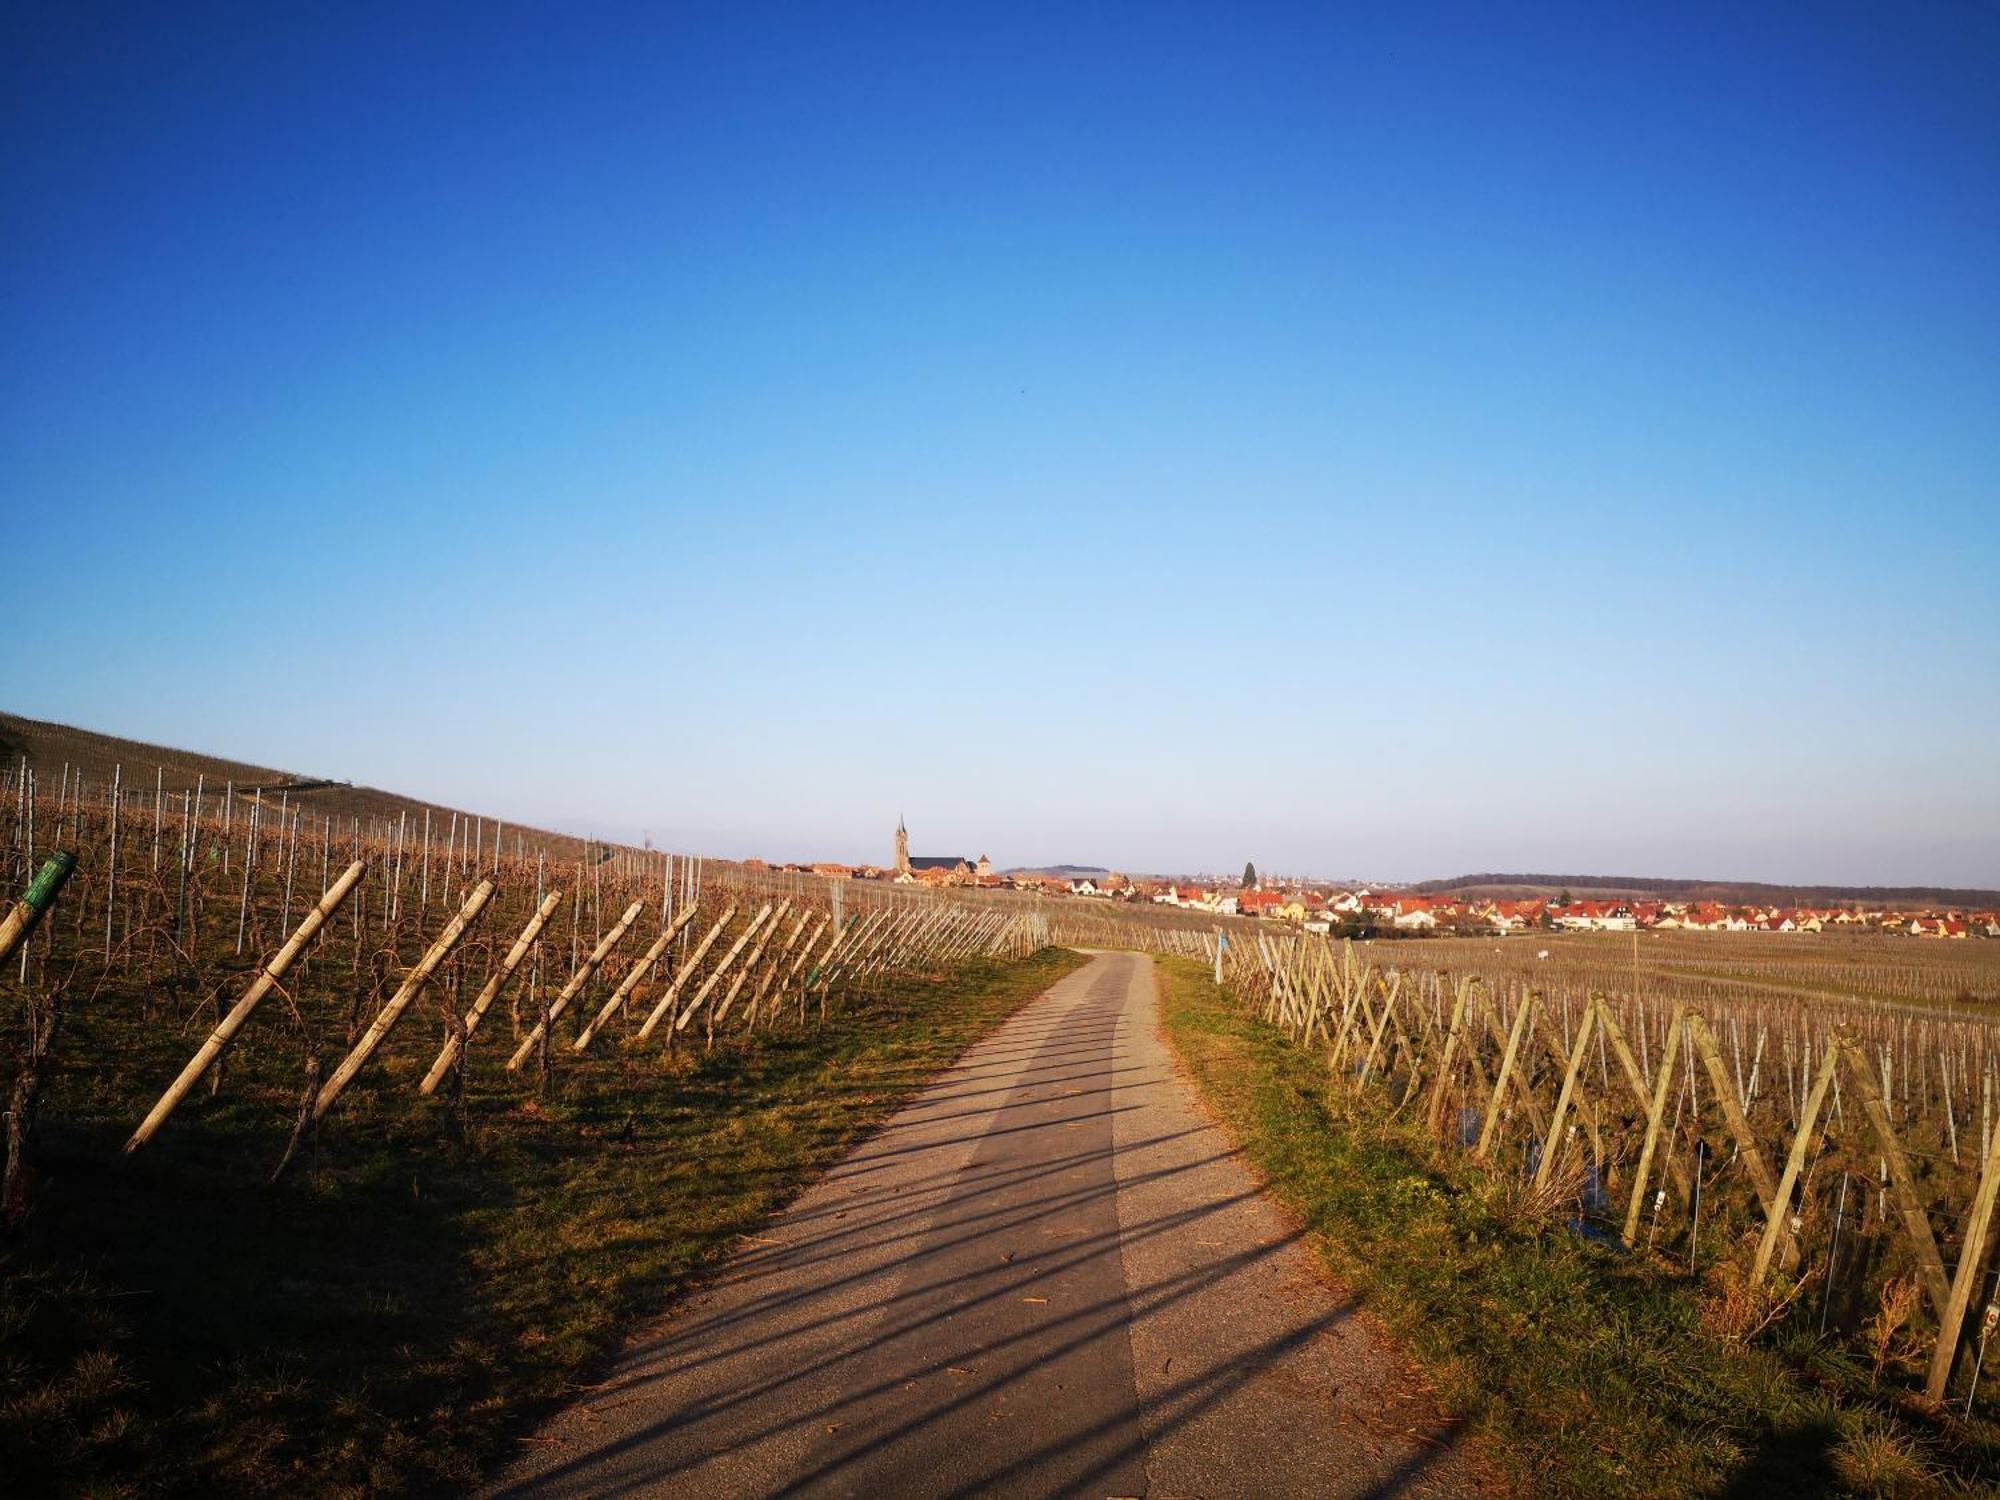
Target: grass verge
[
  {"x": 1591, "y": 1373},
  {"x": 425, "y": 1281}
]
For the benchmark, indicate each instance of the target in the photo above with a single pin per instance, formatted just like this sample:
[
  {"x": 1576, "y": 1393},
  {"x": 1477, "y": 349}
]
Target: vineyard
[
  {"x": 173, "y": 911},
  {"x": 242, "y": 1021},
  {"x": 1815, "y": 1167},
  {"x": 404, "y": 1094}
]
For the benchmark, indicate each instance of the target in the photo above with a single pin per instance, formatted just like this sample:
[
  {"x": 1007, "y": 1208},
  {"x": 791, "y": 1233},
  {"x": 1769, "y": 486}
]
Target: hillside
[
  {"x": 1728, "y": 892},
  {"x": 48, "y": 748}
]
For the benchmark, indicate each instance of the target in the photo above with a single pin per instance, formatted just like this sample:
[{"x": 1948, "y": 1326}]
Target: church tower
[{"x": 902, "y": 847}]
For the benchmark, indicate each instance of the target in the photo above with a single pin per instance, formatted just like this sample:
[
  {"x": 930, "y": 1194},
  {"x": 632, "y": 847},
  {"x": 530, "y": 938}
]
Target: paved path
[{"x": 1048, "y": 1276}]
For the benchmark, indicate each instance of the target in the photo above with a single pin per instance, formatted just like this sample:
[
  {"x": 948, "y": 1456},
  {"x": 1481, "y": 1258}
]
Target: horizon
[
  {"x": 1218, "y": 875},
  {"x": 1433, "y": 442}
]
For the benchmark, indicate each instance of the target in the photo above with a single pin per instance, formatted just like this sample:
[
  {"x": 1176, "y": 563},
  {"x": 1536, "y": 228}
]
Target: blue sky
[{"x": 1386, "y": 441}]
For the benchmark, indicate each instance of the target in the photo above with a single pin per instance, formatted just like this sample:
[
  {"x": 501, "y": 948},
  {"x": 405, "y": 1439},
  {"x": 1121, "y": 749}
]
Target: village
[
  {"x": 1362, "y": 911},
  {"x": 1366, "y": 912}
]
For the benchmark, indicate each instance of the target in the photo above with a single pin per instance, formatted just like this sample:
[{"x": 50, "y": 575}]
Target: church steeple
[{"x": 902, "y": 847}]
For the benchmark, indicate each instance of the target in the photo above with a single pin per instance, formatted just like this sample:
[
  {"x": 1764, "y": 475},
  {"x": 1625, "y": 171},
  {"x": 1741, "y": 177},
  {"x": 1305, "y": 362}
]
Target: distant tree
[
  {"x": 1359, "y": 924},
  {"x": 1249, "y": 876},
  {"x": 1563, "y": 899}
]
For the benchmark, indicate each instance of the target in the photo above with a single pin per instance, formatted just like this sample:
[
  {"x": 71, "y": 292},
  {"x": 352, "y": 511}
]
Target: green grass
[
  {"x": 422, "y": 1284},
  {"x": 1589, "y": 1373}
]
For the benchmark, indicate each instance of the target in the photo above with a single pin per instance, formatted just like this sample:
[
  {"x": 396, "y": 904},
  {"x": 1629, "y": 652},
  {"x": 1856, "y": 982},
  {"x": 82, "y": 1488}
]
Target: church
[{"x": 936, "y": 869}]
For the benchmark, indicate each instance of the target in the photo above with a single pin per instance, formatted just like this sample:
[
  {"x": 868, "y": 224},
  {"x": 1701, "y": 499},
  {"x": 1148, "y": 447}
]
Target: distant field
[{"x": 1868, "y": 968}]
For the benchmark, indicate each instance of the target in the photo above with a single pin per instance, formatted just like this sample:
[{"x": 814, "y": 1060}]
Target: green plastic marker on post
[{"x": 40, "y": 896}]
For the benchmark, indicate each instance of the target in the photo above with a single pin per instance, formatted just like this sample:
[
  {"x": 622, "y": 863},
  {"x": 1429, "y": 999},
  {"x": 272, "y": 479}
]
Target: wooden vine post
[
  {"x": 1777, "y": 1225},
  {"x": 575, "y": 986},
  {"x": 750, "y": 930},
  {"x": 1507, "y": 1059},
  {"x": 1442, "y": 1083},
  {"x": 412, "y": 986},
  {"x": 630, "y": 982},
  {"x": 1748, "y": 1152},
  {"x": 1552, "y": 1141},
  {"x": 1971, "y": 1254},
  {"x": 689, "y": 965},
  {"x": 455, "y": 1044},
  {"x": 40, "y": 895},
  {"x": 1902, "y": 1182},
  {"x": 239, "y": 1013},
  {"x": 720, "y": 1011}
]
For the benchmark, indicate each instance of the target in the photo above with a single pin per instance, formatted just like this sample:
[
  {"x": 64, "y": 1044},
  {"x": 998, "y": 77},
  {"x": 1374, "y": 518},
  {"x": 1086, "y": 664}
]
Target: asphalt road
[{"x": 1049, "y": 1276}]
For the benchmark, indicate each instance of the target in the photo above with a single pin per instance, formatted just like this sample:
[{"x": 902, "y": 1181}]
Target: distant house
[
  {"x": 1596, "y": 916},
  {"x": 1416, "y": 919}
]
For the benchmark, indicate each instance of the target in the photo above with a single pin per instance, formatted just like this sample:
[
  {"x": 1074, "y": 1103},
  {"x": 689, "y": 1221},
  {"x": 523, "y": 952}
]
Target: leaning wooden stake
[
  {"x": 665, "y": 1006},
  {"x": 37, "y": 899},
  {"x": 1902, "y": 1182},
  {"x": 239, "y": 1013},
  {"x": 1506, "y": 1073},
  {"x": 720, "y": 1012},
  {"x": 1443, "y": 1079},
  {"x": 523, "y": 945},
  {"x": 1654, "y": 1117},
  {"x": 575, "y": 986},
  {"x": 1635, "y": 1082},
  {"x": 750, "y": 930},
  {"x": 1778, "y": 1224},
  {"x": 1748, "y": 1152},
  {"x": 1970, "y": 1254},
  {"x": 1552, "y": 1143},
  {"x": 632, "y": 979},
  {"x": 412, "y": 986}
]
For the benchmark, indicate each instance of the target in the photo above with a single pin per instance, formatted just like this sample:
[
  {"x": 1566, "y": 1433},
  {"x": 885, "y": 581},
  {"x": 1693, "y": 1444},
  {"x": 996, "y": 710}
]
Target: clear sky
[{"x": 1387, "y": 440}]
